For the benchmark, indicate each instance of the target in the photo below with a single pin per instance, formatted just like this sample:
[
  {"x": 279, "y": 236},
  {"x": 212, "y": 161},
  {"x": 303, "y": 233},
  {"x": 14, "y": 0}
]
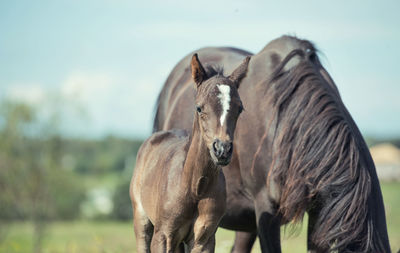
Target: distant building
[{"x": 387, "y": 161}]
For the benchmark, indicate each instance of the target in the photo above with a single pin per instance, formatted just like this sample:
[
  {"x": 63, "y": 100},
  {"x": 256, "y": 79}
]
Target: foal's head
[{"x": 218, "y": 107}]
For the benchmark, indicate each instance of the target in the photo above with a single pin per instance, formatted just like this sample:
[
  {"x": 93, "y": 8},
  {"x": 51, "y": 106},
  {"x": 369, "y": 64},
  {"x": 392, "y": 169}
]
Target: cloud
[
  {"x": 114, "y": 104},
  {"x": 94, "y": 104},
  {"x": 30, "y": 93},
  {"x": 87, "y": 87}
]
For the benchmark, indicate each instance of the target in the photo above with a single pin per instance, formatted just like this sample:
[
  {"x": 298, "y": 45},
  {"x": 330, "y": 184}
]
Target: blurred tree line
[
  {"x": 45, "y": 176},
  {"x": 372, "y": 141}
]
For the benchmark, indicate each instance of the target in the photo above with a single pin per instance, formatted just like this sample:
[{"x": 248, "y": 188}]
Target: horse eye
[
  {"x": 241, "y": 109},
  {"x": 198, "y": 109}
]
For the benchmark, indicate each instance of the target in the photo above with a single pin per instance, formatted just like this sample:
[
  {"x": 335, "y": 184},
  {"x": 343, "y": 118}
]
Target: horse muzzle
[{"x": 222, "y": 151}]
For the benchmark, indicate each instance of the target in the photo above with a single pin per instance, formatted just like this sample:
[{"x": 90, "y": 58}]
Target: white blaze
[{"x": 225, "y": 99}]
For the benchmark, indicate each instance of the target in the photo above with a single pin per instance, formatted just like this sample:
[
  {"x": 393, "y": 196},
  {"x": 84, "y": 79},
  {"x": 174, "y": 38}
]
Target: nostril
[
  {"x": 214, "y": 145},
  {"x": 229, "y": 147}
]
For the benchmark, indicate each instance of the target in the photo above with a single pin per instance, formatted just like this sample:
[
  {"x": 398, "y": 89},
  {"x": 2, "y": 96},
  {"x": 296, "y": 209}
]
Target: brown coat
[{"x": 178, "y": 189}]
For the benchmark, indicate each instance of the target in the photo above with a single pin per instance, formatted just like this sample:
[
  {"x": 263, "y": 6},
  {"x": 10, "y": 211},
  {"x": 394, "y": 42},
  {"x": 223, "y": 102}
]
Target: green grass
[
  {"x": 391, "y": 198},
  {"x": 116, "y": 237}
]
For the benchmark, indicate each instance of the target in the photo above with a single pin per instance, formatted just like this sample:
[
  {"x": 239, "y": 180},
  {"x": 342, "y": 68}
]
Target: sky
[{"x": 104, "y": 62}]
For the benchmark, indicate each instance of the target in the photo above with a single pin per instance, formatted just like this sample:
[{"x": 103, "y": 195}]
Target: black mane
[{"x": 319, "y": 158}]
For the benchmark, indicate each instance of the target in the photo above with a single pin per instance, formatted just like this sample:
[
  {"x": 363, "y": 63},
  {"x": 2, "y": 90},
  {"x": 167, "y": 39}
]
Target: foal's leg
[
  {"x": 243, "y": 242},
  {"x": 203, "y": 246},
  {"x": 204, "y": 230},
  {"x": 165, "y": 242},
  {"x": 143, "y": 231},
  {"x": 159, "y": 242}
]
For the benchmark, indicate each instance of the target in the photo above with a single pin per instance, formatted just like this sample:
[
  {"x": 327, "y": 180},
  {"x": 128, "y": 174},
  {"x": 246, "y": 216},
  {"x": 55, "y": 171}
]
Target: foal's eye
[
  {"x": 198, "y": 109},
  {"x": 241, "y": 109}
]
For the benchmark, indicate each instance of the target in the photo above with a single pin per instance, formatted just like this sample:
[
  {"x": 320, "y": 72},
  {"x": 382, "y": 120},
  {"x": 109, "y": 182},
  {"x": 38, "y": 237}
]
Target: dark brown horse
[
  {"x": 297, "y": 150},
  {"x": 178, "y": 188}
]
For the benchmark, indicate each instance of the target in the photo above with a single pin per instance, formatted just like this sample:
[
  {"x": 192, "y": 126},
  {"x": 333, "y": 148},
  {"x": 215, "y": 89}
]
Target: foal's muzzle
[{"x": 222, "y": 151}]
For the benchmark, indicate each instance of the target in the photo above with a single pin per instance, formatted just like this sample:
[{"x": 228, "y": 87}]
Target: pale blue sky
[{"x": 112, "y": 57}]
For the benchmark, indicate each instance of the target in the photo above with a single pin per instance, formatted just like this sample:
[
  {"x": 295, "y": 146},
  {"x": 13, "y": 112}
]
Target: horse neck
[{"x": 199, "y": 170}]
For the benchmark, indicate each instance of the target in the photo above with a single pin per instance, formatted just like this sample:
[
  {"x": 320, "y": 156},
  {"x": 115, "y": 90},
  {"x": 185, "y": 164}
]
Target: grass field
[{"x": 110, "y": 237}]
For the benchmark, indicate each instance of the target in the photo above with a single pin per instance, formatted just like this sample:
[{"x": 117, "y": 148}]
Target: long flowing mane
[{"x": 319, "y": 158}]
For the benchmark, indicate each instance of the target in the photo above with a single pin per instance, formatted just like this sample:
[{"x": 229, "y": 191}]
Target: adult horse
[{"x": 297, "y": 150}]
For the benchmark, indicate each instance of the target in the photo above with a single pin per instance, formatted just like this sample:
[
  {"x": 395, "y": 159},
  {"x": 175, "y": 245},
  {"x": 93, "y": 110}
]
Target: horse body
[
  {"x": 166, "y": 197},
  {"x": 178, "y": 188},
  {"x": 294, "y": 128}
]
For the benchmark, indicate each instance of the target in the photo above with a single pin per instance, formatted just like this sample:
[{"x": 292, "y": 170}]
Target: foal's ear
[
  {"x": 240, "y": 72},
  {"x": 198, "y": 73}
]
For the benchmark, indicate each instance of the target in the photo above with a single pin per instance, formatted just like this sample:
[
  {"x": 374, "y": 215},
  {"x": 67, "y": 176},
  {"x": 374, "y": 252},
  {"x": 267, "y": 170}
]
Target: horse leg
[
  {"x": 269, "y": 233},
  {"x": 312, "y": 219},
  {"x": 204, "y": 230},
  {"x": 164, "y": 242},
  {"x": 181, "y": 248},
  {"x": 159, "y": 242},
  {"x": 143, "y": 231},
  {"x": 268, "y": 225},
  {"x": 203, "y": 246},
  {"x": 243, "y": 242}
]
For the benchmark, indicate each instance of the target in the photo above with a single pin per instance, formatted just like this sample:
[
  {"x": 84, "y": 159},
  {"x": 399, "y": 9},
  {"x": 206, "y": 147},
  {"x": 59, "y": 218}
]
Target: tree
[{"x": 32, "y": 183}]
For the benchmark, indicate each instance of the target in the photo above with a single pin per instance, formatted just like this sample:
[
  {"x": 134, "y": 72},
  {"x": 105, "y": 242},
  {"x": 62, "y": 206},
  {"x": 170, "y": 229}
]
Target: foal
[{"x": 178, "y": 188}]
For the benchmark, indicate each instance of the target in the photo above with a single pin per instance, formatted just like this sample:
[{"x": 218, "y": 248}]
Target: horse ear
[
  {"x": 240, "y": 72},
  {"x": 198, "y": 73}
]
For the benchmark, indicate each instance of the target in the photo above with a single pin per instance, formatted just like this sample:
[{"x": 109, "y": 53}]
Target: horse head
[{"x": 218, "y": 106}]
